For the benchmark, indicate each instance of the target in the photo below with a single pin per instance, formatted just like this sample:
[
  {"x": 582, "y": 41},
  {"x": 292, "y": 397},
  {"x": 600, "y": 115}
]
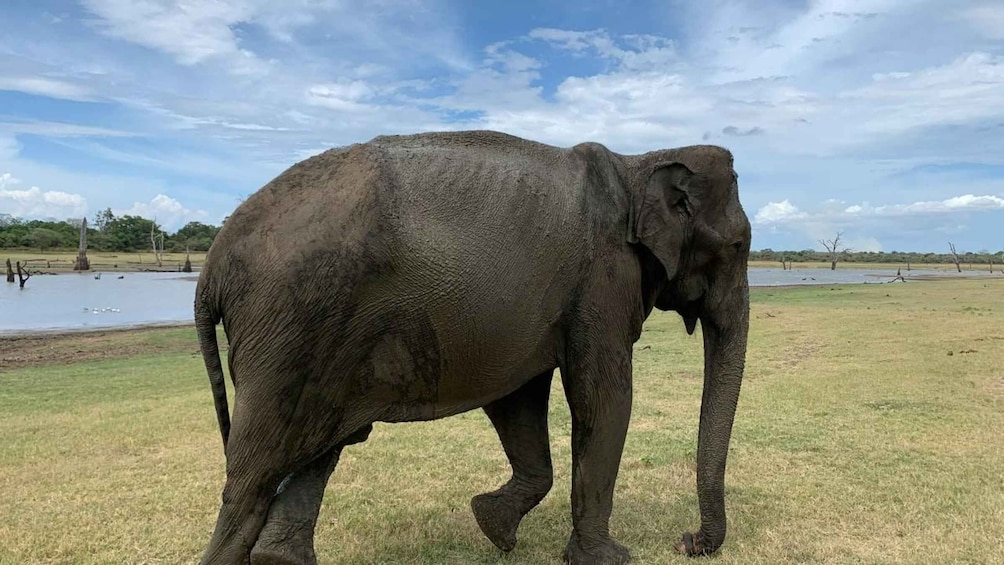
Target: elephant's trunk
[{"x": 725, "y": 331}]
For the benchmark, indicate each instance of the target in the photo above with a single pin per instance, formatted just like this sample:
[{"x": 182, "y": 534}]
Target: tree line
[
  {"x": 983, "y": 257},
  {"x": 106, "y": 232}
]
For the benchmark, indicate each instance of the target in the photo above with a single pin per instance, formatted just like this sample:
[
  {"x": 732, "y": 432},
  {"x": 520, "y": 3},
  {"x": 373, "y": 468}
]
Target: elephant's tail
[{"x": 207, "y": 315}]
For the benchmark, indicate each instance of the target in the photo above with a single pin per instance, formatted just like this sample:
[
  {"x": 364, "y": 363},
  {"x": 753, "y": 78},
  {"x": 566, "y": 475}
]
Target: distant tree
[
  {"x": 129, "y": 233},
  {"x": 194, "y": 236},
  {"x": 834, "y": 249},
  {"x": 103, "y": 218},
  {"x": 44, "y": 238}
]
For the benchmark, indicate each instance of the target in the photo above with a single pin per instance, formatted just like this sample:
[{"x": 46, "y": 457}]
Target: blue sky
[{"x": 883, "y": 119}]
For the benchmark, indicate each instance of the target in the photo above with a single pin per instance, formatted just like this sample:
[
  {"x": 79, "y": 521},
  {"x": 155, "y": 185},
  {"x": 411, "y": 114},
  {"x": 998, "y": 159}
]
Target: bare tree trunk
[
  {"x": 188, "y": 262},
  {"x": 10, "y": 272},
  {"x": 23, "y": 274},
  {"x": 82, "y": 263},
  {"x": 833, "y": 249},
  {"x": 153, "y": 241},
  {"x": 955, "y": 256}
]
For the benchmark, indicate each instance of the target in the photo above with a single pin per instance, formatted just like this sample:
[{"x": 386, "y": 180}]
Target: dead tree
[
  {"x": 188, "y": 262},
  {"x": 10, "y": 272},
  {"x": 157, "y": 251},
  {"x": 834, "y": 249},
  {"x": 82, "y": 263},
  {"x": 955, "y": 256},
  {"x": 23, "y": 274}
]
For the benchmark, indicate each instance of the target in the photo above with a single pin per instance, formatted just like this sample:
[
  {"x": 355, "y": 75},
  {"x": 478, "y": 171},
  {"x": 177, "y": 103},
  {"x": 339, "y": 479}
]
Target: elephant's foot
[
  {"x": 694, "y": 545},
  {"x": 498, "y": 517},
  {"x": 602, "y": 551},
  {"x": 284, "y": 544}
]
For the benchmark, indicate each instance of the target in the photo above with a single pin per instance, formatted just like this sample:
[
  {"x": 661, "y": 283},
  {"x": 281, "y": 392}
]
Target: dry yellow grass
[
  {"x": 869, "y": 431},
  {"x": 58, "y": 261}
]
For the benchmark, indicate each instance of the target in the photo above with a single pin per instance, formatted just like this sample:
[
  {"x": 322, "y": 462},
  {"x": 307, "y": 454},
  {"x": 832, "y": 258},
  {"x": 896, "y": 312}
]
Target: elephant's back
[
  {"x": 306, "y": 239},
  {"x": 482, "y": 210}
]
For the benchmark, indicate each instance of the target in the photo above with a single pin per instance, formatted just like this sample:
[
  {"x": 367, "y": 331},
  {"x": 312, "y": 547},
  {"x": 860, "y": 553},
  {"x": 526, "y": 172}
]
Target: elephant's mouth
[{"x": 690, "y": 311}]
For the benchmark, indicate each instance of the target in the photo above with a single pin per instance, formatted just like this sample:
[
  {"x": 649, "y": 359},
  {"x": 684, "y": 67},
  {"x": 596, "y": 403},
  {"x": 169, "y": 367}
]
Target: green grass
[{"x": 869, "y": 431}]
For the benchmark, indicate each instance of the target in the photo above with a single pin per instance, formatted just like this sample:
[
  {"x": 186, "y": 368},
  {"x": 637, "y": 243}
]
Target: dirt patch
[
  {"x": 797, "y": 353},
  {"x": 47, "y": 349}
]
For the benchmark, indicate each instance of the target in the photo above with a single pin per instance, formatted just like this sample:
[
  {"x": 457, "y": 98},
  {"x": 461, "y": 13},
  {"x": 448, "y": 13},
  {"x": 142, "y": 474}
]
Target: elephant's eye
[{"x": 738, "y": 246}]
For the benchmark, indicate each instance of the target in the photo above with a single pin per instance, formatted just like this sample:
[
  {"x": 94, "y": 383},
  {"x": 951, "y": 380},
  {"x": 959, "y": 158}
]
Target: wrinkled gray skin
[{"x": 416, "y": 277}]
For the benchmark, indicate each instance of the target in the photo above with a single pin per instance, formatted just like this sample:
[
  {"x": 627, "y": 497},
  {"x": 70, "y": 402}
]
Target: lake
[{"x": 78, "y": 301}]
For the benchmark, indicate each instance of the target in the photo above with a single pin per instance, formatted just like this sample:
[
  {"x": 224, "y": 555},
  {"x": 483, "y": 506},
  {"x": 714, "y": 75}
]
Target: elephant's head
[{"x": 694, "y": 239}]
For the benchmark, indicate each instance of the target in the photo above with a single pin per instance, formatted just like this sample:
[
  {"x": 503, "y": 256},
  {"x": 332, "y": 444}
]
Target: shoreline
[{"x": 55, "y": 333}]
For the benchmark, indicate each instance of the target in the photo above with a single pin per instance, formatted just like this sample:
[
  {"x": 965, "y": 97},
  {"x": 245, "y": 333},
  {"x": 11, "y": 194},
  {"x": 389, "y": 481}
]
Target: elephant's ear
[{"x": 661, "y": 213}]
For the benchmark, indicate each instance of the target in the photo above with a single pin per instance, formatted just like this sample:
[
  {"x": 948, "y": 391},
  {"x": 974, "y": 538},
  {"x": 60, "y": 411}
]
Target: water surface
[{"x": 78, "y": 301}]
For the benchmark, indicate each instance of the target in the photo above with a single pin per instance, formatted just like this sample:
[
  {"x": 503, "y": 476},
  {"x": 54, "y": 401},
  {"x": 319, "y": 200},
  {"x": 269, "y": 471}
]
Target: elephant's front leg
[
  {"x": 598, "y": 388},
  {"x": 521, "y": 422}
]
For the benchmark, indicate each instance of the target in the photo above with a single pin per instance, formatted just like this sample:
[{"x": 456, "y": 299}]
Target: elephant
[{"x": 415, "y": 277}]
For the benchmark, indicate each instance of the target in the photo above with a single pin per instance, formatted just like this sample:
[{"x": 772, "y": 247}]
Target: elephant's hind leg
[
  {"x": 521, "y": 422},
  {"x": 270, "y": 438},
  {"x": 288, "y": 535},
  {"x": 256, "y": 463}
]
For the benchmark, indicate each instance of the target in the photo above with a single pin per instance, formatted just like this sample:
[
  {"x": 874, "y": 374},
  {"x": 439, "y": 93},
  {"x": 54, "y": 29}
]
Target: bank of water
[{"x": 80, "y": 301}]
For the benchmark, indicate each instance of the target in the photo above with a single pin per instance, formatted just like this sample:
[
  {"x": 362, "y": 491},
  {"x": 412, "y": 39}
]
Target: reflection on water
[
  {"x": 80, "y": 301},
  {"x": 777, "y": 277}
]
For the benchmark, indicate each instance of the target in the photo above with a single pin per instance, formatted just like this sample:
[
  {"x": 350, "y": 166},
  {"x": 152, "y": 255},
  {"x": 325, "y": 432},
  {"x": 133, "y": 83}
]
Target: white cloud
[
  {"x": 8, "y": 179},
  {"x": 36, "y": 203},
  {"x": 640, "y": 52},
  {"x": 778, "y": 212},
  {"x": 191, "y": 32},
  {"x": 864, "y": 244},
  {"x": 817, "y": 98},
  {"x": 965, "y": 90},
  {"x": 784, "y": 212},
  {"x": 56, "y": 129},
  {"x": 987, "y": 18},
  {"x": 42, "y": 86},
  {"x": 9, "y": 147},
  {"x": 964, "y": 203},
  {"x": 195, "y": 33},
  {"x": 167, "y": 211},
  {"x": 346, "y": 96}
]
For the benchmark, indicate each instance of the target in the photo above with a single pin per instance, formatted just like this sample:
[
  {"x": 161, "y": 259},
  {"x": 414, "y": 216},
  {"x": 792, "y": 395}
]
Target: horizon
[{"x": 842, "y": 116}]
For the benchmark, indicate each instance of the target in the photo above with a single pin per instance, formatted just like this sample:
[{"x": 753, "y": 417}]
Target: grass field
[
  {"x": 869, "y": 431},
  {"x": 62, "y": 261}
]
